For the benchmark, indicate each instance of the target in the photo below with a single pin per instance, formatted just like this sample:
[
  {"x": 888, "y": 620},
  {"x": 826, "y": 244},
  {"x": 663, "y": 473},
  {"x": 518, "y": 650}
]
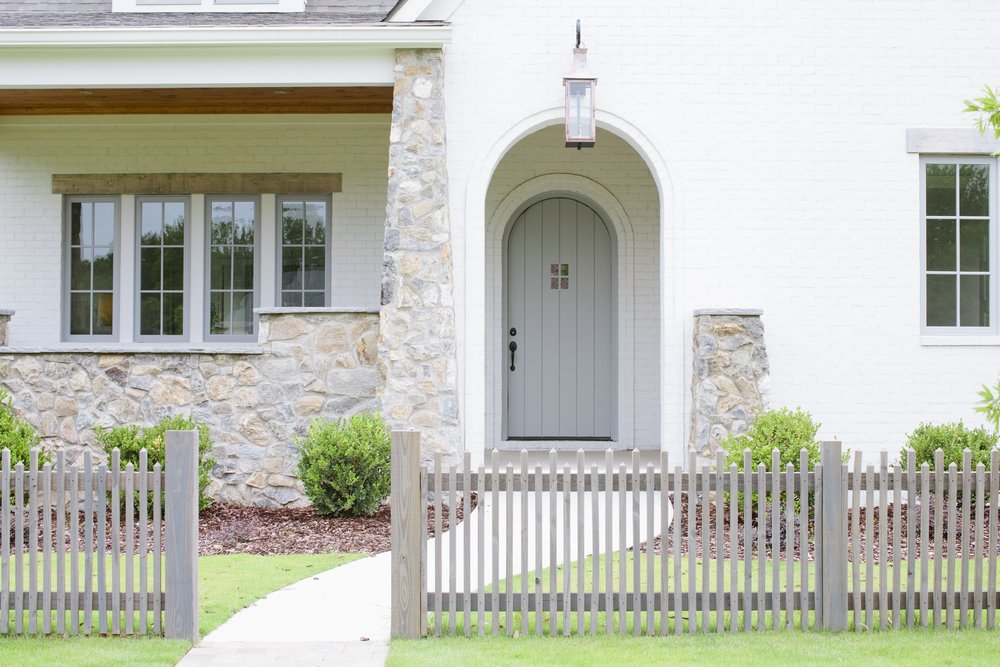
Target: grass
[{"x": 226, "y": 584}]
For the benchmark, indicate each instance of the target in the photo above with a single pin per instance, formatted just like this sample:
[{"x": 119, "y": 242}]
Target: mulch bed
[
  {"x": 782, "y": 543},
  {"x": 227, "y": 529}
]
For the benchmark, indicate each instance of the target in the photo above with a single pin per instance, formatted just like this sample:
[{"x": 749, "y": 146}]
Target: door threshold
[{"x": 591, "y": 445}]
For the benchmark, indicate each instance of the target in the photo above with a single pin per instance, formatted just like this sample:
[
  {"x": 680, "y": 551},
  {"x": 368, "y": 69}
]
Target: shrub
[
  {"x": 345, "y": 465},
  {"x": 952, "y": 439},
  {"x": 17, "y": 435},
  {"x": 787, "y": 431},
  {"x": 130, "y": 439}
]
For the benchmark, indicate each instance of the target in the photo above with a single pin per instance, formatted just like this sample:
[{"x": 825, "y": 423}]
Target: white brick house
[{"x": 773, "y": 157}]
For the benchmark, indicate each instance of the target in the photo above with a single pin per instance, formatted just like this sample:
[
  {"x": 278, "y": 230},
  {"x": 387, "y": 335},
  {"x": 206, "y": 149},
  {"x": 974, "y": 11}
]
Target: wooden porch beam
[{"x": 188, "y": 183}]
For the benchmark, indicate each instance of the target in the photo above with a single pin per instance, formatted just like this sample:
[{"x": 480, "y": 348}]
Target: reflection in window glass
[
  {"x": 957, "y": 244},
  {"x": 232, "y": 266},
  {"x": 92, "y": 236},
  {"x": 303, "y": 270},
  {"x": 161, "y": 267}
]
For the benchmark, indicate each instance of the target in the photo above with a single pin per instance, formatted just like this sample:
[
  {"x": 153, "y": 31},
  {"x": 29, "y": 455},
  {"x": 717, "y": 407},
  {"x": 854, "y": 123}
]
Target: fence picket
[
  {"x": 47, "y": 548},
  {"x": 438, "y": 529},
  {"x": 143, "y": 541},
  {"x": 453, "y": 548},
  {"x": 5, "y": 545},
  {"x": 99, "y": 550},
  {"x": 622, "y": 540},
  {"x": 678, "y": 589},
  {"x": 539, "y": 566},
  {"x": 116, "y": 610},
  {"x": 856, "y": 542},
  {"x": 508, "y": 597},
  {"x": 692, "y": 545},
  {"x": 939, "y": 544},
  {"x": 978, "y": 546},
  {"x": 650, "y": 579},
  {"x": 761, "y": 531},
  {"x": 130, "y": 548},
  {"x": 524, "y": 542},
  {"x": 964, "y": 529},
  {"x": 74, "y": 555},
  {"x": 19, "y": 549},
  {"x": 580, "y": 537},
  {"x": 775, "y": 540},
  {"x": 595, "y": 513},
  {"x": 883, "y": 541},
  {"x": 897, "y": 502},
  {"x": 706, "y": 534},
  {"x": 32, "y": 527},
  {"x": 720, "y": 579},
  {"x": 88, "y": 541},
  {"x": 636, "y": 553},
  {"x": 804, "y": 540},
  {"x": 60, "y": 507},
  {"x": 952, "y": 543},
  {"x": 925, "y": 537},
  {"x": 869, "y": 538},
  {"x": 567, "y": 542},
  {"x": 481, "y": 550},
  {"x": 911, "y": 535},
  {"x": 734, "y": 536},
  {"x": 747, "y": 540},
  {"x": 467, "y": 541},
  {"x": 789, "y": 545},
  {"x": 664, "y": 543},
  {"x": 157, "y": 523},
  {"x": 994, "y": 517},
  {"x": 554, "y": 541},
  {"x": 818, "y": 512},
  {"x": 609, "y": 614}
]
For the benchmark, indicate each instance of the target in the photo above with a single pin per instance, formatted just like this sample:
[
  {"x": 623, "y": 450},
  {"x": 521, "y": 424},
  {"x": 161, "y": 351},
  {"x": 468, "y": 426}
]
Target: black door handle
[{"x": 513, "y": 348}]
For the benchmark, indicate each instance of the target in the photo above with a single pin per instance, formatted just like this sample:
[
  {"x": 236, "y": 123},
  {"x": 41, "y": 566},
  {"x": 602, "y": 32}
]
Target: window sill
[
  {"x": 968, "y": 340},
  {"x": 135, "y": 348},
  {"x": 330, "y": 310}
]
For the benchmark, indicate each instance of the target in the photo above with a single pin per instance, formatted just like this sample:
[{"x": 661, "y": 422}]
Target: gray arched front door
[{"x": 559, "y": 286}]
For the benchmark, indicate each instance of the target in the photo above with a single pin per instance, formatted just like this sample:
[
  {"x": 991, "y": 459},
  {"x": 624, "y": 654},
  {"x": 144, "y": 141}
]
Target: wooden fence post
[
  {"x": 833, "y": 541},
  {"x": 181, "y": 517},
  {"x": 408, "y": 548}
]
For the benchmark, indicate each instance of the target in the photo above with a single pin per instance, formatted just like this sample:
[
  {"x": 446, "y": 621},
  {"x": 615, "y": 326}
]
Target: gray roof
[{"x": 97, "y": 13}]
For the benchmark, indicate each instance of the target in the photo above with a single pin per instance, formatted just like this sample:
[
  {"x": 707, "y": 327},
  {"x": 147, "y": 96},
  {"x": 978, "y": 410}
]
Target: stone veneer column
[
  {"x": 5, "y": 315},
  {"x": 730, "y": 378},
  {"x": 417, "y": 349}
]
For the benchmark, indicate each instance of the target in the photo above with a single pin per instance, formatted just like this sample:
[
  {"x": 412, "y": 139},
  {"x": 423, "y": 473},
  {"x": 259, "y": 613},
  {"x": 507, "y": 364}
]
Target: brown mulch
[
  {"x": 226, "y": 529},
  {"x": 781, "y": 544}
]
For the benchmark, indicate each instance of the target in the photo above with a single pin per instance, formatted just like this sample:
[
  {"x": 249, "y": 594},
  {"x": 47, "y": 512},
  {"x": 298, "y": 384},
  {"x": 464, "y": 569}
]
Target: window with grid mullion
[
  {"x": 232, "y": 267},
  {"x": 161, "y": 267},
  {"x": 303, "y": 260},
  {"x": 91, "y": 289}
]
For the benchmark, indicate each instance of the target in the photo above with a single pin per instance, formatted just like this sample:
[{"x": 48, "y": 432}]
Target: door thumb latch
[{"x": 513, "y": 348}]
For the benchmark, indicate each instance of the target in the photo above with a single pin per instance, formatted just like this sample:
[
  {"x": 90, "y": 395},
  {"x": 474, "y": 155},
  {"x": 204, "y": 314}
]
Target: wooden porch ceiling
[{"x": 104, "y": 101}]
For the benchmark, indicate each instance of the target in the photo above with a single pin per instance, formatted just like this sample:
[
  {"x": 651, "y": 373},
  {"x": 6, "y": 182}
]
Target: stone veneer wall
[
  {"x": 730, "y": 378},
  {"x": 417, "y": 344},
  {"x": 308, "y": 364}
]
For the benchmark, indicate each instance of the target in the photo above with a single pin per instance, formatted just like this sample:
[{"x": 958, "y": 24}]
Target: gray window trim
[
  {"x": 68, "y": 201},
  {"x": 136, "y": 313},
  {"x": 327, "y": 283},
  {"x": 959, "y": 330},
  {"x": 207, "y": 286}
]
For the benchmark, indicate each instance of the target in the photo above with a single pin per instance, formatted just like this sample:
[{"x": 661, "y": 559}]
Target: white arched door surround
[
  {"x": 472, "y": 238},
  {"x": 603, "y": 202}
]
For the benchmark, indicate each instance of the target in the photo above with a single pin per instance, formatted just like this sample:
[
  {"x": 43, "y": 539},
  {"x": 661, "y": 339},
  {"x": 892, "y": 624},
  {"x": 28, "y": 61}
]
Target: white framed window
[
  {"x": 90, "y": 271},
  {"x": 303, "y": 246},
  {"x": 162, "y": 275},
  {"x": 958, "y": 237},
  {"x": 232, "y": 226},
  {"x": 208, "y": 5}
]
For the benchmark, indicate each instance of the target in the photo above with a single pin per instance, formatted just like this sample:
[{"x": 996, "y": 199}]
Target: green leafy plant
[
  {"x": 130, "y": 439},
  {"x": 988, "y": 108},
  {"x": 17, "y": 435},
  {"x": 345, "y": 465},
  {"x": 952, "y": 439},
  {"x": 989, "y": 405}
]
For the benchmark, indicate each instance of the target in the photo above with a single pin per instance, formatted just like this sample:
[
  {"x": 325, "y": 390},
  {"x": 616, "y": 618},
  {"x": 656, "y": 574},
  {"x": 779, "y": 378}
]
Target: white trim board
[{"x": 950, "y": 141}]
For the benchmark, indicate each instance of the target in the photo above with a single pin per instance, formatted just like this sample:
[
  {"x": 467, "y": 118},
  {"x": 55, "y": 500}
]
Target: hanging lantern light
[{"x": 579, "y": 85}]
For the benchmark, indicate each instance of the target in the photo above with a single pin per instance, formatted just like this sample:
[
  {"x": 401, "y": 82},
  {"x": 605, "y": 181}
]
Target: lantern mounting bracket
[{"x": 578, "y": 33}]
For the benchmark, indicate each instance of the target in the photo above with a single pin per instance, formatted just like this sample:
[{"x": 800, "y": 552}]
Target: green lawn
[
  {"x": 903, "y": 647},
  {"x": 226, "y": 584}
]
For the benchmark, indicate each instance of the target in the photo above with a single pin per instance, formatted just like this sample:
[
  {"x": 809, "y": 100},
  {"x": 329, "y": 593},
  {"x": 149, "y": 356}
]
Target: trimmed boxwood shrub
[
  {"x": 952, "y": 439},
  {"x": 782, "y": 429},
  {"x": 17, "y": 435},
  {"x": 130, "y": 439},
  {"x": 345, "y": 465}
]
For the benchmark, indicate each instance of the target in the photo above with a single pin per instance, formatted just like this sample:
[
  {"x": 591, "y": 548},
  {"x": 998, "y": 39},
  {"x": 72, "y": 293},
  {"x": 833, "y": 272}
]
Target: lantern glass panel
[{"x": 579, "y": 110}]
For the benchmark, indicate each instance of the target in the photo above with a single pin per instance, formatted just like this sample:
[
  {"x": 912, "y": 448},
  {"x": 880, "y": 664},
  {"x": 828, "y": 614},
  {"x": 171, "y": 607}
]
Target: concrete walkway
[{"x": 341, "y": 616}]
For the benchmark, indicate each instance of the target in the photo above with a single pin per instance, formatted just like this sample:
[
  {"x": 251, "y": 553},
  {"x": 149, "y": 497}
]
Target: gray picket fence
[
  {"x": 101, "y": 549},
  {"x": 652, "y": 547}
]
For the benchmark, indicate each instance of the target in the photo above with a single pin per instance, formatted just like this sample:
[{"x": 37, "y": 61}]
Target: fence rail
[
  {"x": 644, "y": 548},
  {"x": 87, "y": 549}
]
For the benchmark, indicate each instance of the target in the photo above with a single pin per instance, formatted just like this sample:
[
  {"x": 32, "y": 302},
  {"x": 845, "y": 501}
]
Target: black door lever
[{"x": 513, "y": 348}]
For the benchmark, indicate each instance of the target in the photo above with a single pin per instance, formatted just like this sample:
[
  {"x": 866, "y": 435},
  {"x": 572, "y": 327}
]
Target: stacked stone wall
[{"x": 307, "y": 365}]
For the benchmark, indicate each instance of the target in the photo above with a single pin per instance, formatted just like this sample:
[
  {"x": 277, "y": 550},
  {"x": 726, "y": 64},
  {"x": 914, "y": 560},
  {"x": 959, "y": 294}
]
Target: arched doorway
[{"x": 559, "y": 293}]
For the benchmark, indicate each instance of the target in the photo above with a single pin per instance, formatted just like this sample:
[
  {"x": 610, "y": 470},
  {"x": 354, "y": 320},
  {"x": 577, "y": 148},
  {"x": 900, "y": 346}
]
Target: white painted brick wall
[
  {"x": 30, "y": 219},
  {"x": 782, "y": 125}
]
